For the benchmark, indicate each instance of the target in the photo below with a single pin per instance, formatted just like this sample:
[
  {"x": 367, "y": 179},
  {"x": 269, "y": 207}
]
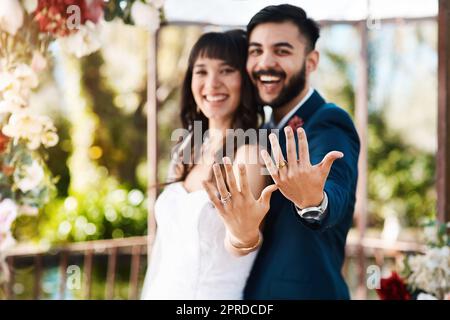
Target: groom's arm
[{"x": 332, "y": 130}]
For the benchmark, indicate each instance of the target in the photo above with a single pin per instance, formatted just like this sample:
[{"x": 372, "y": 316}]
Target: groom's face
[{"x": 277, "y": 62}]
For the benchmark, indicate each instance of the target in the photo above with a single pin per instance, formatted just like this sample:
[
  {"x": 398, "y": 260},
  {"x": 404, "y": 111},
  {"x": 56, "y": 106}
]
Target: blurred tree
[
  {"x": 401, "y": 176},
  {"x": 120, "y": 137}
]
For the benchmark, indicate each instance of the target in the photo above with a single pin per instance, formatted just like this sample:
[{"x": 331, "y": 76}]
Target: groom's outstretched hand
[
  {"x": 297, "y": 179},
  {"x": 234, "y": 201}
]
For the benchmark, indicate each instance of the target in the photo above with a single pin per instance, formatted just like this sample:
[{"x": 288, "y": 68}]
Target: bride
[{"x": 199, "y": 252}]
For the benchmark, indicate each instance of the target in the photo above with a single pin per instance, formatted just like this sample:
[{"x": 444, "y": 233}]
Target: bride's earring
[{"x": 198, "y": 109}]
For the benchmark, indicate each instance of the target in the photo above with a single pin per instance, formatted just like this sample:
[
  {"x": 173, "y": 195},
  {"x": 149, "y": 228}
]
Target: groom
[{"x": 306, "y": 228}]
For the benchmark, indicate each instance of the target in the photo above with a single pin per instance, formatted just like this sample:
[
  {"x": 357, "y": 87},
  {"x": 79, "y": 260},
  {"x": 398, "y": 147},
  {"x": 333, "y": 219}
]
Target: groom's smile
[{"x": 270, "y": 81}]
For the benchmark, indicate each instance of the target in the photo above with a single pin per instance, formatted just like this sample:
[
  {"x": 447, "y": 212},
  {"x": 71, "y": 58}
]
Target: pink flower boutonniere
[{"x": 295, "y": 123}]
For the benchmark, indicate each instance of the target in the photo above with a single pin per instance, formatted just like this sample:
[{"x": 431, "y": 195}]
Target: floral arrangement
[
  {"x": 423, "y": 276},
  {"x": 27, "y": 28}
]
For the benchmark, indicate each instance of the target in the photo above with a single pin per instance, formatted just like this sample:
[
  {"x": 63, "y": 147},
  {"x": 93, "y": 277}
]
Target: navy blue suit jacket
[{"x": 299, "y": 260}]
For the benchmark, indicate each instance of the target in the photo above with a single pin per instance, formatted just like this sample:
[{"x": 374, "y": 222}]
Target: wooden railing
[{"x": 137, "y": 248}]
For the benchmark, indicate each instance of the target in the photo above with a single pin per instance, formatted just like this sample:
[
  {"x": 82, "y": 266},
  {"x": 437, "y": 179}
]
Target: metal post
[
  {"x": 443, "y": 153},
  {"x": 361, "y": 119},
  {"x": 152, "y": 136}
]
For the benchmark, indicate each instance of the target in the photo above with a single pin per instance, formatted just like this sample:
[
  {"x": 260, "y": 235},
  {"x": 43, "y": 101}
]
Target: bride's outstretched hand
[{"x": 241, "y": 212}]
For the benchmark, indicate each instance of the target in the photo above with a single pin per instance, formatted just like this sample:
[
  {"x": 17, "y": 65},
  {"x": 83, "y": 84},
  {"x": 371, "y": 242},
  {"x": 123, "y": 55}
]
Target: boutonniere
[{"x": 295, "y": 123}]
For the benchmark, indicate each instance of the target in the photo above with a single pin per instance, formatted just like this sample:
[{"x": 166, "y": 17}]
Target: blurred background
[{"x": 99, "y": 106}]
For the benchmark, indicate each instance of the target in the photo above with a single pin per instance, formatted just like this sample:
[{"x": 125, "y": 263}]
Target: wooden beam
[
  {"x": 133, "y": 285},
  {"x": 443, "y": 153},
  {"x": 152, "y": 136},
  {"x": 62, "y": 274},
  {"x": 111, "y": 274},
  {"x": 325, "y": 22},
  {"x": 88, "y": 256},
  {"x": 361, "y": 121},
  {"x": 37, "y": 276}
]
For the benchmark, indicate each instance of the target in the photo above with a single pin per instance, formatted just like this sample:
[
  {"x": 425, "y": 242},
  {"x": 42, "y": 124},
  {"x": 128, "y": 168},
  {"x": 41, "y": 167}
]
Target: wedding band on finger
[
  {"x": 225, "y": 199},
  {"x": 282, "y": 164}
]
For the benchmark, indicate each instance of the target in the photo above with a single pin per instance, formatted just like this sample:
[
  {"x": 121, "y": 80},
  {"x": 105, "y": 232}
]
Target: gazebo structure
[{"x": 366, "y": 16}]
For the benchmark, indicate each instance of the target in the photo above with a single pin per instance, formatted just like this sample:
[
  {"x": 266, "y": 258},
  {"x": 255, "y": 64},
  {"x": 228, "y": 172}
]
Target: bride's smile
[{"x": 216, "y": 87}]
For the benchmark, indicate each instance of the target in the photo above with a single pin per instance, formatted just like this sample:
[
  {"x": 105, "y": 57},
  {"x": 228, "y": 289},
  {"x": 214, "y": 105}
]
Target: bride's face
[{"x": 216, "y": 87}]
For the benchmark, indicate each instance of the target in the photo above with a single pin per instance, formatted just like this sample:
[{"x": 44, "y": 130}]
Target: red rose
[
  {"x": 52, "y": 15},
  {"x": 295, "y": 122},
  {"x": 393, "y": 288}
]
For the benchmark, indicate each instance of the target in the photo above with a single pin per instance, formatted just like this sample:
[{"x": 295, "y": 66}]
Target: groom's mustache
[{"x": 268, "y": 72}]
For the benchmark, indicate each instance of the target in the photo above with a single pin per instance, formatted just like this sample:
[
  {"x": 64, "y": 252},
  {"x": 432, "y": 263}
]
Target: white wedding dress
[{"x": 189, "y": 260}]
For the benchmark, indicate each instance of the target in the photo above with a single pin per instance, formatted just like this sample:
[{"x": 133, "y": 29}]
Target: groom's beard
[{"x": 289, "y": 91}]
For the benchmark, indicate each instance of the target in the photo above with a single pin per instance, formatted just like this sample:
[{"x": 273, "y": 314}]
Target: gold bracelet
[{"x": 241, "y": 251}]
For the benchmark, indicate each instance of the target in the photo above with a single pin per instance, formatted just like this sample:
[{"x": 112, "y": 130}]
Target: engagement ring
[
  {"x": 282, "y": 164},
  {"x": 224, "y": 200}
]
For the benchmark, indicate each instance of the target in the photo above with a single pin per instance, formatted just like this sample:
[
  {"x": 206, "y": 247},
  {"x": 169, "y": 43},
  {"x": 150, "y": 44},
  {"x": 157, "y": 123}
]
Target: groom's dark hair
[{"x": 288, "y": 13}]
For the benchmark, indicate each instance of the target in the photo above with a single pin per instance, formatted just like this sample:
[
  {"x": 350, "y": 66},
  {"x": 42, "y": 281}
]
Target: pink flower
[
  {"x": 38, "y": 63},
  {"x": 295, "y": 122}
]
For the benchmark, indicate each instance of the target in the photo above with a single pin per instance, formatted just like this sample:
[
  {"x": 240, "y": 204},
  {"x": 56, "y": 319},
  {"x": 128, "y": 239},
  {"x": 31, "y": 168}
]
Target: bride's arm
[{"x": 248, "y": 155}]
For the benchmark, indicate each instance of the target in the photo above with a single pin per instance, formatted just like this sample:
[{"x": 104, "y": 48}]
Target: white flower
[
  {"x": 26, "y": 76},
  {"x": 83, "y": 42},
  {"x": 15, "y": 88},
  {"x": 431, "y": 233},
  {"x": 145, "y": 15},
  {"x": 8, "y": 213},
  {"x": 24, "y": 126},
  {"x": 30, "y": 5},
  {"x": 33, "y": 176},
  {"x": 11, "y": 16},
  {"x": 49, "y": 139},
  {"x": 431, "y": 271},
  {"x": 34, "y": 130},
  {"x": 17, "y": 97},
  {"x": 11, "y": 106},
  {"x": 7, "y": 80},
  {"x": 158, "y": 4},
  {"x": 425, "y": 296}
]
